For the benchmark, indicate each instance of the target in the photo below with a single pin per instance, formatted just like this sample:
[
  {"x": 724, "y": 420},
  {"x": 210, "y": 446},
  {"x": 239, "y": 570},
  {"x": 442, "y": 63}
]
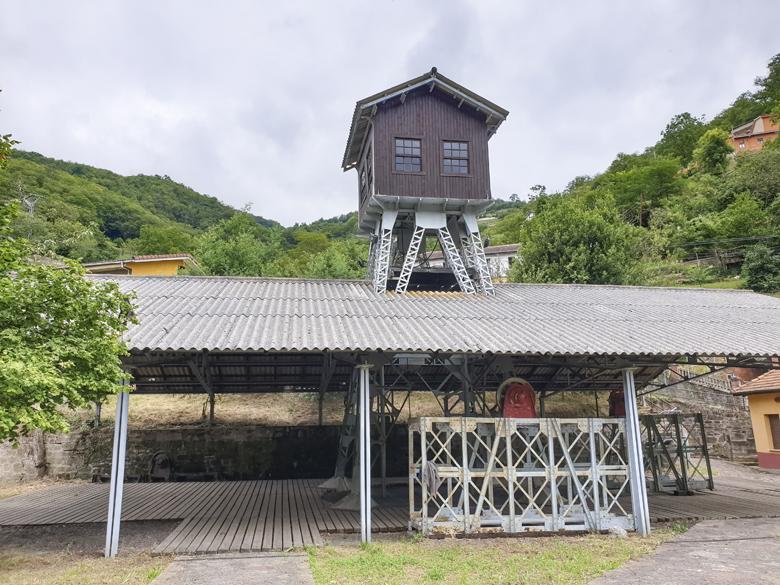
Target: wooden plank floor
[{"x": 280, "y": 514}]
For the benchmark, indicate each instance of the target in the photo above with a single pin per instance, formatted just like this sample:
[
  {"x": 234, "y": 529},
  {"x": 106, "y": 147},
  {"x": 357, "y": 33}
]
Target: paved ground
[
  {"x": 714, "y": 552},
  {"x": 238, "y": 569}
]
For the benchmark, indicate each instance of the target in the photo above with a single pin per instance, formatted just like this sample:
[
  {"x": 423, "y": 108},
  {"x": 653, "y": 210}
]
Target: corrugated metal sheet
[{"x": 220, "y": 313}]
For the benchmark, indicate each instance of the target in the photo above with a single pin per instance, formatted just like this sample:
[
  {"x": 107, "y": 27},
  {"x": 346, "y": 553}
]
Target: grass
[
  {"x": 79, "y": 569},
  {"x": 726, "y": 283},
  {"x": 522, "y": 561}
]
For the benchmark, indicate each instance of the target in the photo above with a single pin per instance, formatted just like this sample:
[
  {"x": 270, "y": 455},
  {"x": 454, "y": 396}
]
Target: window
[
  {"x": 456, "y": 158},
  {"x": 408, "y": 155},
  {"x": 742, "y": 145},
  {"x": 774, "y": 429}
]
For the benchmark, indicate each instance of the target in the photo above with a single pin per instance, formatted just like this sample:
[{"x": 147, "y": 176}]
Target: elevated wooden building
[{"x": 421, "y": 153}]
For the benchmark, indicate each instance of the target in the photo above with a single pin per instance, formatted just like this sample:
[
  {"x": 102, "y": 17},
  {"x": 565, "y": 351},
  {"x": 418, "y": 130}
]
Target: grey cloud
[{"x": 251, "y": 101}]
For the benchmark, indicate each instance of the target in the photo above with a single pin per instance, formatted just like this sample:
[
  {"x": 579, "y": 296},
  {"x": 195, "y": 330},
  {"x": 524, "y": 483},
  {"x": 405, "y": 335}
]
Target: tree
[
  {"x": 578, "y": 239},
  {"x": 165, "y": 239},
  {"x": 744, "y": 217},
  {"x": 712, "y": 151},
  {"x": 680, "y": 136},
  {"x": 60, "y": 338},
  {"x": 757, "y": 173},
  {"x": 640, "y": 184},
  {"x": 761, "y": 269},
  {"x": 342, "y": 259},
  {"x": 238, "y": 247}
]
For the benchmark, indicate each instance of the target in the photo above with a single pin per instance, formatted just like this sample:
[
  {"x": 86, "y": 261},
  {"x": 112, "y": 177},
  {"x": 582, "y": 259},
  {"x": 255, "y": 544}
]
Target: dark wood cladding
[{"x": 432, "y": 118}]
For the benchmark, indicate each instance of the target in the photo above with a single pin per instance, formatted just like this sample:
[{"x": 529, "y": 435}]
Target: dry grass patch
[
  {"x": 79, "y": 569},
  {"x": 278, "y": 409},
  {"x": 524, "y": 561}
]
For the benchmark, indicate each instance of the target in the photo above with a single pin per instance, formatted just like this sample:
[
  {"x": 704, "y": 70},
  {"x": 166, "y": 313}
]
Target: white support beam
[
  {"x": 640, "y": 507},
  {"x": 365, "y": 453},
  {"x": 117, "y": 474}
]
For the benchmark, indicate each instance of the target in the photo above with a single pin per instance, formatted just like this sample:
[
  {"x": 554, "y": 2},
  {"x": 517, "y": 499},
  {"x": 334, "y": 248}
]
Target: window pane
[{"x": 408, "y": 155}]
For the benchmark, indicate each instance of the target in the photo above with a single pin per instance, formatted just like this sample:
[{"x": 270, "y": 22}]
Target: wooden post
[{"x": 117, "y": 474}]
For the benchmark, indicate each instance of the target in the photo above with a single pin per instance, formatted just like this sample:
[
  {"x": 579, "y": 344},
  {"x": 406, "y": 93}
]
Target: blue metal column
[
  {"x": 117, "y": 474},
  {"x": 636, "y": 465}
]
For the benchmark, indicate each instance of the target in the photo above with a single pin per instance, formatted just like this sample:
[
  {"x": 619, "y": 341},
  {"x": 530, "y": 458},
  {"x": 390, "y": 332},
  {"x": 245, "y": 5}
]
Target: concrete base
[
  {"x": 350, "y": 502},
  {"x": 238, "y": 569},
  {"x": 715, "y": 552},
  {"x": 336, "y": 484}
]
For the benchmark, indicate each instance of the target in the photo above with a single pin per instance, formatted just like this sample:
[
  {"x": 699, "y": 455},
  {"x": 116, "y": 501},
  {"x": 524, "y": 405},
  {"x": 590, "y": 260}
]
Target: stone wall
[
  {"x": 726, "y": 417},
  {"x": 229, "y": 452}
]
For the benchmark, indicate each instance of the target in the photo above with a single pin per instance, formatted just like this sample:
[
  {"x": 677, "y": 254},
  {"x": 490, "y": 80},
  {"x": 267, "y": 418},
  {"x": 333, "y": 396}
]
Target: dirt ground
[
  {"x": 68, "y": 554},
  {"x": 15, "y": 488}
]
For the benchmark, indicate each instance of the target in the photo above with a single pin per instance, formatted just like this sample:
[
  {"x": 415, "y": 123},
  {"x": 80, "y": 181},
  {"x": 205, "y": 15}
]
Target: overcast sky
[{"x": 251, "y": 101}]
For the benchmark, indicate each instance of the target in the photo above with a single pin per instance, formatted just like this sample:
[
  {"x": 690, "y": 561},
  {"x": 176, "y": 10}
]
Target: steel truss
[
  {"x": 475, "y": 475},
  {"x": 676, "y": 455},
  {"x": 380, "y": 261},
  {"x": 386, "y": 404}
]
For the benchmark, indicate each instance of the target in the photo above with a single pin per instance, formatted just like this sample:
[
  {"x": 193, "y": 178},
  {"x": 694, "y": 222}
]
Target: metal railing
[{"x": 518, "y": 475}]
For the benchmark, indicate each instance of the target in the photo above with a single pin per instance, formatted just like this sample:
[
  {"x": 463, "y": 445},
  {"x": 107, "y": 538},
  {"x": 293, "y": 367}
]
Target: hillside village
[{"x": 685, "y": 211}]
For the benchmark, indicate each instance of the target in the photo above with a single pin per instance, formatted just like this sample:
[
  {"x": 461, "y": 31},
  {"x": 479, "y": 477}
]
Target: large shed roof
[{"x": 290, "y": 315}]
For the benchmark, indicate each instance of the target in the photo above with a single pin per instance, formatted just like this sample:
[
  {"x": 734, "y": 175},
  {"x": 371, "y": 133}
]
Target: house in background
[
  {"x": 499, "y": 259},
  {"x": 150, "y": 265},
  {"x": 763, "y": 394},
  {"x": 753, "y": 135}
]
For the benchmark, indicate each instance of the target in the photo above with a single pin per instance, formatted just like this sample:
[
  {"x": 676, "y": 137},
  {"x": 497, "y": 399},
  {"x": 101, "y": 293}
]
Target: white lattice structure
[
  {"x": 399, "y": 228},
  {"x": 518, "y": 475}
]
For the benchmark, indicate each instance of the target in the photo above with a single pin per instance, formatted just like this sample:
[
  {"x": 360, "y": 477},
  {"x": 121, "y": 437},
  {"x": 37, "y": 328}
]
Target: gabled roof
[
  {"x": 750, "y": 128},
  {"x": 106, "y": 264},
  {"x": 769, "y": 382},
  {"x": 186, "y": 313},
  {"x": 494, "y": 114}
]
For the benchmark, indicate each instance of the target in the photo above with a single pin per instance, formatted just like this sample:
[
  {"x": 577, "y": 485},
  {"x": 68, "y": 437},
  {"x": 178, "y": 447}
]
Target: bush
[{"x": 761, "y": 270}]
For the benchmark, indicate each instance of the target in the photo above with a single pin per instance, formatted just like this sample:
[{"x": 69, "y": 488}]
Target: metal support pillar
[
  {"x": 365, "y": 453},
  {"x": 117, "y": 474},
  {"x": 640, "y": 508},
  {"x": 211, "y": 408},
  {"x": 382, "y": 432}
]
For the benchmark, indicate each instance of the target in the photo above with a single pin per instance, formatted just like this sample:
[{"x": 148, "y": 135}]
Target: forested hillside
[
  {"x": 689, "y": 196},
  {"x": 86, "y": 213},
  {"x": 686, "y": 197}
]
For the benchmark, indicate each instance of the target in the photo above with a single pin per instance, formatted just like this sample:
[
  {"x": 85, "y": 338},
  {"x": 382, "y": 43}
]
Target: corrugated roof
[
  {"x": 769, "y": 382},
  {"x": 222, "y": 313}
]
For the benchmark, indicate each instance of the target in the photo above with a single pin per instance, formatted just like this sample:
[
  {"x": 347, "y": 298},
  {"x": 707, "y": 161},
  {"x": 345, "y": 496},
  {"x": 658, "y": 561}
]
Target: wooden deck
[{"x": 277, "y": 515}]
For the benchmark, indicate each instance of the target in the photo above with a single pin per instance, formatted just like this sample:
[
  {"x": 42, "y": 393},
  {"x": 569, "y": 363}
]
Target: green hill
[{"x": 91, "y": 213}]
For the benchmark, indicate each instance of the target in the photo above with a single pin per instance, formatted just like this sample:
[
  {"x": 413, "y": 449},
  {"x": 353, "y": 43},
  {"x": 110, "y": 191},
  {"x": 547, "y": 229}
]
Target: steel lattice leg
[
  {"x": 410, "y": 259},
  {"x": 468, "y": 251},
  {"x": 382, "y": 260},
  {"x": 372, "y": 246},
  {"x": 454, "y": 261},
  {"x": 481, "y": 265}
]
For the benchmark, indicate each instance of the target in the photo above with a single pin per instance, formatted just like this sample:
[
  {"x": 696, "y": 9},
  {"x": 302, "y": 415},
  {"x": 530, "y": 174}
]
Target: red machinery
[
  {"x": 617, "y": 403},
  {"x": 517, "y": 398}
]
